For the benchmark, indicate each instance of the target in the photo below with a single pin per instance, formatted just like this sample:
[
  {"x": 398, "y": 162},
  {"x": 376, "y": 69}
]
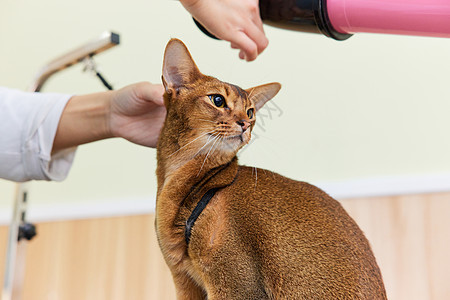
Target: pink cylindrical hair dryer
[
  {"x": 339, "y": 19},
  {"x": 406, "y": 17}
]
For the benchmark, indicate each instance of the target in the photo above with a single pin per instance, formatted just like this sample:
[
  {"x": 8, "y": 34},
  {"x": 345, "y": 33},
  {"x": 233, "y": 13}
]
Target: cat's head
[{"x": 206, "y": 114}]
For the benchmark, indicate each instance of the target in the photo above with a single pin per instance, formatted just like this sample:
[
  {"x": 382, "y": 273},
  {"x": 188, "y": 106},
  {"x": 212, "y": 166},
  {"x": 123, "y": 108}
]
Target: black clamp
[{"x": 26, "y": 231}]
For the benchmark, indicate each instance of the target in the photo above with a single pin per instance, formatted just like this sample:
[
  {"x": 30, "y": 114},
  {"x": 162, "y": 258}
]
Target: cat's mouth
[
  {"x": 237, "y": 140},
  {"x": 228, "y": 141},
  {"x": 237, "y": 136},
  {"x": 231, "y": 142}
]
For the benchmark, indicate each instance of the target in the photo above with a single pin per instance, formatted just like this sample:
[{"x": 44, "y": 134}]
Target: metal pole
[{"x": 15, "y": 253}]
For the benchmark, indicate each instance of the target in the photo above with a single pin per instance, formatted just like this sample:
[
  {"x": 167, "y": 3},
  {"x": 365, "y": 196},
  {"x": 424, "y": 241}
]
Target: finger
[
  {"x": 234, "y": 46},
  {"x": 256, "y": 19},
  {"x": 241, "y": 54},
  {"x": 151, "y": 92},
  {"x": 247, "y": 46},
  {"x": 257, "y": 35}
]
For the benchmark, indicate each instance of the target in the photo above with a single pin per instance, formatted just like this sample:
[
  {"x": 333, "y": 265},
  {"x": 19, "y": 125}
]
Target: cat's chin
[{"x": 232, "y": 144}]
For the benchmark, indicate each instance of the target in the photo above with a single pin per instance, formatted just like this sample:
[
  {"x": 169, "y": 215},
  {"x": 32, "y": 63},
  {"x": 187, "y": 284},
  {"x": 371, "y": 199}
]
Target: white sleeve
[{"x": 28, "y": 123}]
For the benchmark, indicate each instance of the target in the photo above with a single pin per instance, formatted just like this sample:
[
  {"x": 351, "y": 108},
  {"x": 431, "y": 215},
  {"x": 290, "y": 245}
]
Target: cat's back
[
  {"x": 282, "y": 205},
  {"x": 277, "y": 196},
  {"x": 303, "y": 237}
]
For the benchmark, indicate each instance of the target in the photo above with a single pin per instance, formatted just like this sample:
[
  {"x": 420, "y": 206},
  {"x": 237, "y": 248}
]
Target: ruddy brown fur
[{"x": 262, "y": 236}]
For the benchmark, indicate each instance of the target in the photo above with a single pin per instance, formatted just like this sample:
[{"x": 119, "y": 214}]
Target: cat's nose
[{"x": 244, "y": 124}]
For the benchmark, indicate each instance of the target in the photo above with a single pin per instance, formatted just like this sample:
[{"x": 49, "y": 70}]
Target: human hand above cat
[
  {"x": 236, "y": 21},
  {"x": 135, "y": 113}
]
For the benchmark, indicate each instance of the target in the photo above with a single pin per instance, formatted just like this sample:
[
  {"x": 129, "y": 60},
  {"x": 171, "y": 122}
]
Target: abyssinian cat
[{"x": 234, "y": 232}]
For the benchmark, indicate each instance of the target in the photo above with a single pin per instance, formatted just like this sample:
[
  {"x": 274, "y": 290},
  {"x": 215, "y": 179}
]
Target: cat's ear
[
  {"x": 263, "y": 93},
  {"x": 178, "y": 67}
]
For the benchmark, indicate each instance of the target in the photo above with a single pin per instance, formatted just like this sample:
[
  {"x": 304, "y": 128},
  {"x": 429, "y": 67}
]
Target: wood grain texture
[
  {"x": 119, "y": 258},
  {"x": 410, "y": 236},
  {"x": 111, "y": 258}
]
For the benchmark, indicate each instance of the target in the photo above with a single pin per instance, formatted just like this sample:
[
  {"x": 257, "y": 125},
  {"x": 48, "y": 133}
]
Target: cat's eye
[
  {"x": 250, "y": 113},
  {"x": 217, "y": 100}
]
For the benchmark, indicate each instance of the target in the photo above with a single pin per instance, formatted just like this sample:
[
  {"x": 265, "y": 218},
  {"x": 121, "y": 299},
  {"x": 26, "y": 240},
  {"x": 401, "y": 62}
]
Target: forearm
[{"x": 84, "y": 120}]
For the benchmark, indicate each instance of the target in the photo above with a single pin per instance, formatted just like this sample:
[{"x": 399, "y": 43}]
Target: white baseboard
[
  {"x": 388, "y": 186},
  {"x": 358, "y": 188},
  {"x": 37, "y": 213}
]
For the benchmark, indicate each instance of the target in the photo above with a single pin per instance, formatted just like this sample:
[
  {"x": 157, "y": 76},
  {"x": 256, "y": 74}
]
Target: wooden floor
[{"x": 118, "y": 258}]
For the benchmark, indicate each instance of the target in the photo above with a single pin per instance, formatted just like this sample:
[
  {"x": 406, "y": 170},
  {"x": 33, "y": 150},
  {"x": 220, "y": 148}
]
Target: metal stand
[{"x": 19, "y": 230}]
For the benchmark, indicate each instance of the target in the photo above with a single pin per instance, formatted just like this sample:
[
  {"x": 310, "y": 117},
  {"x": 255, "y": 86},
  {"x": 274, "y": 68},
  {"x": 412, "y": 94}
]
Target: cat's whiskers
[
  {"x": 221, "y": 139},
  {"x": 216, "y": 138},
  {"x": 202, "y": 135},
  {"x": 207, "y": 121},
  {"x": 207, "y": 142}
]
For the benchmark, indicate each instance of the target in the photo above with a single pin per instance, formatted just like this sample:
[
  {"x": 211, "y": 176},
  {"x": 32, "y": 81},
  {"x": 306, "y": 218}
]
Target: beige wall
[{"x": 374, "y": 105}]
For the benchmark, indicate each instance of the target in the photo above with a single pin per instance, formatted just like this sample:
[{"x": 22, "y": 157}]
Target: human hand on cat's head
[
  {"x": 235, "y": 21},
  {"x": 137, "y": 113}
]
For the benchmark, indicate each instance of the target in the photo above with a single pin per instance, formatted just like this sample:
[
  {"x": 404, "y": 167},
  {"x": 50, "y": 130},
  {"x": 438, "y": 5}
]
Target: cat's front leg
[{"x": 187, "y": 288}]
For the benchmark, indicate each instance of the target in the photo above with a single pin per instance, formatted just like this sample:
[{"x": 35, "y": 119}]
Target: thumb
[{"x": 150, "y": 92}]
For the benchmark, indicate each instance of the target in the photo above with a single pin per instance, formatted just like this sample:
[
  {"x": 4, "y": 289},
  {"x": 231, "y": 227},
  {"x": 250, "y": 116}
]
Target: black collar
[{"x": 201, "y": 205}]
